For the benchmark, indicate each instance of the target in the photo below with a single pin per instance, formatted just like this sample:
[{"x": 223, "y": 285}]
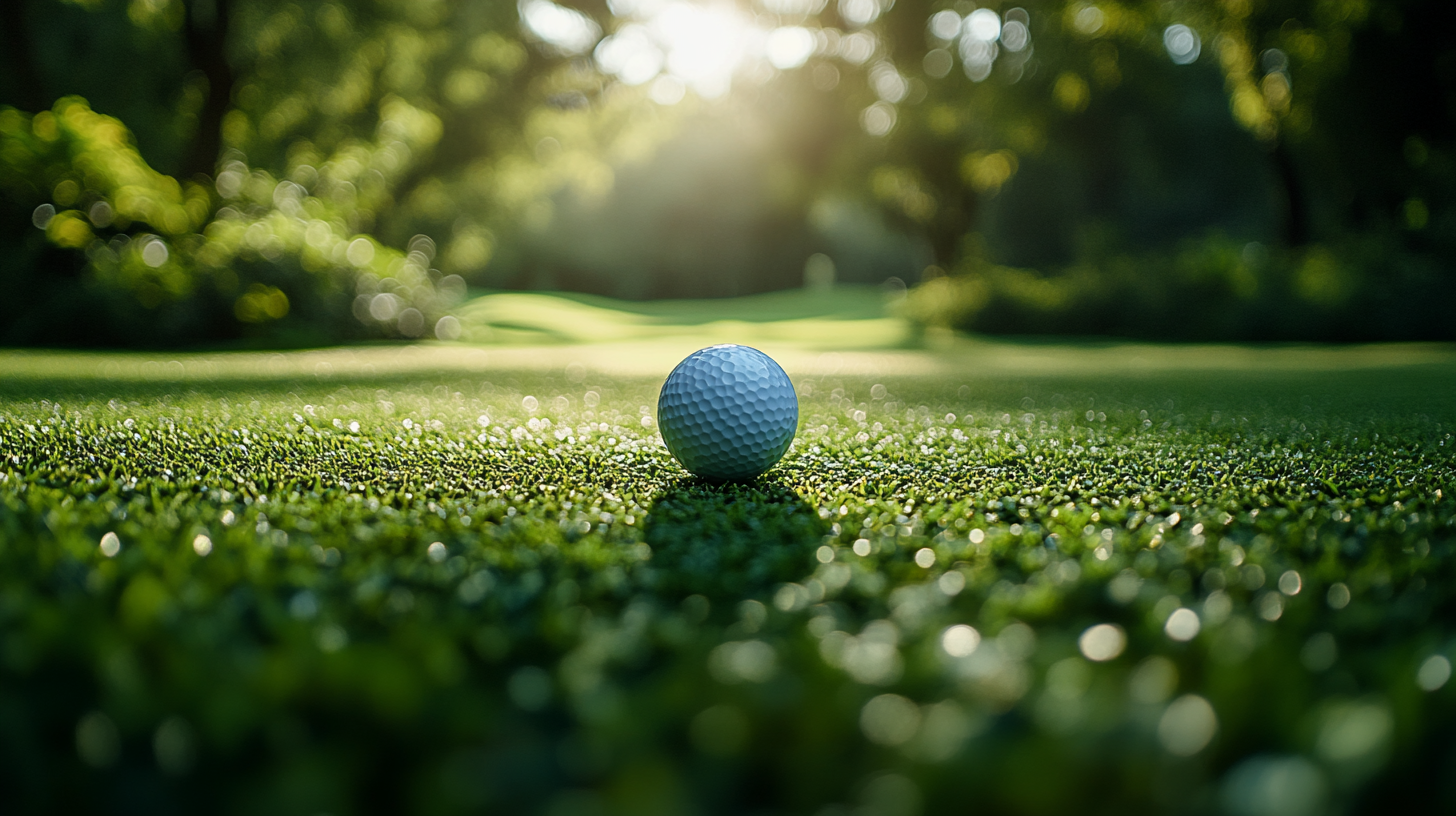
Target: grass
[
  {"x": 843, "y": 317},
  {"x": 453, "y": 579}
]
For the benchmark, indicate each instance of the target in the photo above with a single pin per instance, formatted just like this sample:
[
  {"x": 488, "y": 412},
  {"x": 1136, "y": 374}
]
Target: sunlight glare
[
  {"x": 667, "y": 90},
  {"x": 678, "y": 45},
  {"x": 705, "y": 45},
  {"x": 566, "y": 29},
  {"x": 790, "y": 47},
  {"x": 800, "y": 8},
  {"x": 631, "y": 54},
  {"x": 859, "y": 12},
  {"x": 983, "y": 24}
]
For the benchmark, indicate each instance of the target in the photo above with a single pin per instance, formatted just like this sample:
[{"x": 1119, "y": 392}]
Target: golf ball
[{"x": 728, "y": 412}]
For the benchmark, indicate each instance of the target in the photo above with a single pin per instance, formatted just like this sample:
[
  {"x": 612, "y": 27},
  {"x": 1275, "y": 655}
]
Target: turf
[
  {"x": 843, "y": 317},
  {"x": 454, "y": 580}
]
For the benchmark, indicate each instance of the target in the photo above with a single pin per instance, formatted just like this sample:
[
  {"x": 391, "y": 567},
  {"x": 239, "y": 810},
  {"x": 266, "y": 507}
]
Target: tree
[{"x": 297, "y": 135}]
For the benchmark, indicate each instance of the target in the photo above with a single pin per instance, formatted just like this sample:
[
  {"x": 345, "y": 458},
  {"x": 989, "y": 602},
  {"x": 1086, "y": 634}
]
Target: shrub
[
  {"x": 1363, "y": 288},
  {"x": 123, "y": 254}
]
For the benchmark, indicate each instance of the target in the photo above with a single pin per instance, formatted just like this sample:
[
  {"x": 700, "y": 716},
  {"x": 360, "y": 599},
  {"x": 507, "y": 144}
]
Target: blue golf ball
[{"x": 728, "y": 412}]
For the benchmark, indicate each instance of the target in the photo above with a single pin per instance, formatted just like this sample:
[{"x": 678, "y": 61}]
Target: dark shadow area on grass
[
  {"x": 241, "y": 387},
  {"x": 731, "y": 540}
]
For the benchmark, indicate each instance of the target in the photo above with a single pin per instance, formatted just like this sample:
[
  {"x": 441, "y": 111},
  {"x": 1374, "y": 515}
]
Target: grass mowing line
[
  {"x": 852, "y": 316},
  {"x": 595, "y": 630},
  {"x": 971, "y": 360}
]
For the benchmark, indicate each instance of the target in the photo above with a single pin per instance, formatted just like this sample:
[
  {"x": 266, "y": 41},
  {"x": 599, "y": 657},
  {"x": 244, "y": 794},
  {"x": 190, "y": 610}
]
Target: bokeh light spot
[
  {"x": 1182, "y": 43},
  {"x": 790, "y": 47},
  {"x": 1434, "y": 672},
  {"x": 1102, "y": 642},
  {"x": 944, "y": 25},
  {"x": 1188, "y": 725},
  {"x": 1182, "y": 625},
  {"x": 878, "y": 119},
  {"x": 890, "y": 719},
  {"x": 567, "y": 30}
]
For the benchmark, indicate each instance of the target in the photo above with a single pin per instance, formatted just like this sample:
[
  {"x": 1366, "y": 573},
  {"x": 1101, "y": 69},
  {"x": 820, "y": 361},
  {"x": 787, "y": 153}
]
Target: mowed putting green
[{"x": 988, "y": 576}]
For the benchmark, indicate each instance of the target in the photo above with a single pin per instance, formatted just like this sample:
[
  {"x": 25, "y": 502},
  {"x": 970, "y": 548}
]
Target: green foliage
[
  {"x": 1072, "y": 139},
  {"x": 1362, "y": 289},
  {"x": 274, "y": 253},
  {"x": 75, "y": 154},
  {"x": 360, "y": 591}
]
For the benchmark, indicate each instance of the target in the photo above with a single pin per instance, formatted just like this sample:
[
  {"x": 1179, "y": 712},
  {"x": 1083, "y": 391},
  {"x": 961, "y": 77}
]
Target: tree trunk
[
  {"x": 1296, "y": 206},
  {"x": 206, "y": 37},
  {"x": 21, "y": 62},
  {"x": 959, "y": 207},
  {"x": 948, "y": 230}
]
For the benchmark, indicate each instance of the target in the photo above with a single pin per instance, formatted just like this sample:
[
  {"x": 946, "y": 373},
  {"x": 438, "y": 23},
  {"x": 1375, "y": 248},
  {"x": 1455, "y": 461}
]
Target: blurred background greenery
[{"x": 281, "y": 173}]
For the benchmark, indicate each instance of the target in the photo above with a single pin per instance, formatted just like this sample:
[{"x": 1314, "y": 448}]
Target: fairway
[{"x": 994, "y": 576}]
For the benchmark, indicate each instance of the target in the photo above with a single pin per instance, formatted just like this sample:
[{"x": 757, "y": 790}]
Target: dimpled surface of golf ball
[{"x": 728, "y": 412}]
